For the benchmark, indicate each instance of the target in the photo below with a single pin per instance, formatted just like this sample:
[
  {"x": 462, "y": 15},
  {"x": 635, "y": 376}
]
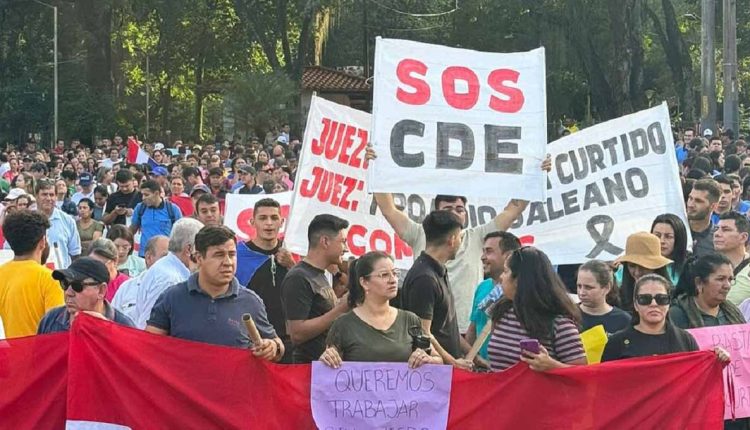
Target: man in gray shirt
[{"x": 209, "y": 306}]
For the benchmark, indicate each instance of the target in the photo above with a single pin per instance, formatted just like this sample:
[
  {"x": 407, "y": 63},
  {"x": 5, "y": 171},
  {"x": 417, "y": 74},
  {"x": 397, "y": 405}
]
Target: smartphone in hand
[{"x": 531, "y": 345}]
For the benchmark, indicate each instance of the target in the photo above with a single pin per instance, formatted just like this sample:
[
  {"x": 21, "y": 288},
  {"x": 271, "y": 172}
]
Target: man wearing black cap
[
  {"x": 86, "y": 181},
  {"x": 85, "y": 284},
  {"x": 247, "y": 179}
]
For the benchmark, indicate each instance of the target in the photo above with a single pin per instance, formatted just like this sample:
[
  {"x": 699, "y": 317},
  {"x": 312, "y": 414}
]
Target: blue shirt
[
  {"x": 167, "y": 271},
  {"x": 63, "y": 232},
  {"x": 187, "y": 312},
  {"x": 681, "y": 152},
  {"x": 484, "y": 296},
  {"x": 58, "y": 319},
  {"x": 155, "y": 221}
]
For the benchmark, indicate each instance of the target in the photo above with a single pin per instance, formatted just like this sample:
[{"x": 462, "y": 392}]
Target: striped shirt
[{"x": 504, "y": 350}]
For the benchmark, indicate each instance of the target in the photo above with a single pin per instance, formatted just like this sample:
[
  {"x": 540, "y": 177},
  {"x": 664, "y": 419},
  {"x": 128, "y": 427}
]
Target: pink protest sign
[
  {"x": 380, "y": 396},
  {"x": 736, "y": 340}
]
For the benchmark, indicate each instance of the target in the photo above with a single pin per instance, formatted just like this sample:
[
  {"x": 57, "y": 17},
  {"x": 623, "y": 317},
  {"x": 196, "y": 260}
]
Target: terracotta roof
[{"x": 323, "y": 79}]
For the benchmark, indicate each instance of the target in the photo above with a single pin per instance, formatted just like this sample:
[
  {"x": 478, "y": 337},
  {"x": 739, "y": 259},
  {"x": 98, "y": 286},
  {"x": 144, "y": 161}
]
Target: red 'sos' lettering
[
  {"x": 406, "y": 71},
  {"x": 515, "y": 100},
  {"x": 318, "y": 144},
  {"x": 457, "y": 100}
]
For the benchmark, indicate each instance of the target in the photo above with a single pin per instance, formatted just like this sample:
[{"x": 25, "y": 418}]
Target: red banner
[{"x": 127, "y": 377}]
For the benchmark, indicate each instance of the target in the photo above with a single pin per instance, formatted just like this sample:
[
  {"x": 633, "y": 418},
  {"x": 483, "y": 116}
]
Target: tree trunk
[
  {"x": 627, "y": 73},
  {"x": 199, "y": 96}
]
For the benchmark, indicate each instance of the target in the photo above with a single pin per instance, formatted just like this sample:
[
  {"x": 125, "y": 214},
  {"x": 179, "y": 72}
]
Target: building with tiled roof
[{"x": 337, "y": 86}]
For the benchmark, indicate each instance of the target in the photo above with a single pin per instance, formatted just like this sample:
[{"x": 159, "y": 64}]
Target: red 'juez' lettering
[
  {"x": 336, "y": 141},
  {"x": 416, "y": 91},
  {"x": 405, "y": 70}
]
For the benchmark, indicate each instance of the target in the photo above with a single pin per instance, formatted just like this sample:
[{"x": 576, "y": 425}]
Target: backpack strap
[{"x": 741, "y": 266}]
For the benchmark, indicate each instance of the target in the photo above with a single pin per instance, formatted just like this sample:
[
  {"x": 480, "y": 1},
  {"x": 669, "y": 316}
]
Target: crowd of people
[{"x": 474, "y": 298}]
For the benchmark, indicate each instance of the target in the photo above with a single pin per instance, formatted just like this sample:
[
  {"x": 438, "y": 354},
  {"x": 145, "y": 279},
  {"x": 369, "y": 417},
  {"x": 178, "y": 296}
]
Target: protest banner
[
  {"x": 456, "y": 121},
  {"x": 239, "y": 212},
  {"x": 735, "y": 339},
  {"x": 607, "y": 182},
  {"x": 678, "y": 391},
  {"x": 380, "y": 395},
  {"x": 332, "y": 176}
]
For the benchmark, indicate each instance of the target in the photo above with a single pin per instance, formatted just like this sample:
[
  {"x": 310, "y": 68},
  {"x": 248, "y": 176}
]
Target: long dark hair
[
  {"x": 628, "y": 283},
  {"x": 701, "y": 268},
  {"x": 680, "y": 252},
  {"x": 359, "y": 268},
  {"x": 540, "y": 294}
]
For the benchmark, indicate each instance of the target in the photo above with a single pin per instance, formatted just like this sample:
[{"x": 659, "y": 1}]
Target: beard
[{"x": 697, "y": 216}]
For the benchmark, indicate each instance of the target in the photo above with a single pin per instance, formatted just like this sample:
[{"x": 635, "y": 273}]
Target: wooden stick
[
  {"x": 252, "y": 331},
  {"x": 480, "y": 340}
]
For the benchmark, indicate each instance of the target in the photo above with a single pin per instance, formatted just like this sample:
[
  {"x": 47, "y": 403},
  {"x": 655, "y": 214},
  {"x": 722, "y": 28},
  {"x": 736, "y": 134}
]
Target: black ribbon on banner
[{"x": 602, "y": 239}]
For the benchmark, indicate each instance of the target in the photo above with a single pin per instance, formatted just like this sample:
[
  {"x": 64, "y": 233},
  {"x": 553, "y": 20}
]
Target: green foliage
[{"x": 255, "y": 101}]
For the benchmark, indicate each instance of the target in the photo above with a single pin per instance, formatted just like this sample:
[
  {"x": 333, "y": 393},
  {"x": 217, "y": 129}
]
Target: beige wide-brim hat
[{"x": 644, "y": 249}]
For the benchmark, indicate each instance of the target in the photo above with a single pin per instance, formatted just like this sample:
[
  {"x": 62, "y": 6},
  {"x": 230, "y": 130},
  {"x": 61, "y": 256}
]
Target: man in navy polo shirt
[
  {"x": 208, "y": 307},
  {"x": 154, "y": 215}
]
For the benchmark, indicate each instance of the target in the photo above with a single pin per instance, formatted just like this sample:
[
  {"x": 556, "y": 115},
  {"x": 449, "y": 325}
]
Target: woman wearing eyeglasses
[
  {"x": 651, "y": 333},
  {"x": 707, "y": 282},
  {"x": 374, "y": 330}
]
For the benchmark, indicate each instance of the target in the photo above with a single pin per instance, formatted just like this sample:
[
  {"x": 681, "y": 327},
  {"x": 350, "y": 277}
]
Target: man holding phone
[{"x": 120, "y": 204}]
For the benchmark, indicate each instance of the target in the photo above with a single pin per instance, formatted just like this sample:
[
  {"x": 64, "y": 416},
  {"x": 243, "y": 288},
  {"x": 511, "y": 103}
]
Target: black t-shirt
[
  {"x": 119, "y": 198},
  {"x": 266, "y": 282},
  {"x": 427, "y": 293},
  {"x": 307, "y": 294},
  {"x": 631, "y": 343},
  {"x": 613, "y": 321}
]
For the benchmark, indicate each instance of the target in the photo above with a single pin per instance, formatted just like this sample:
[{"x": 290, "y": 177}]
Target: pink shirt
[{"x": 114, "y": 285}]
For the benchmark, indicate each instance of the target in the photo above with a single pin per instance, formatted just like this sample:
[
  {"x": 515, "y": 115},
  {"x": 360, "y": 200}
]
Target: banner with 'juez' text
[
  {"x": 331, "y": 179},
  {"x": 456, "y": 121}
]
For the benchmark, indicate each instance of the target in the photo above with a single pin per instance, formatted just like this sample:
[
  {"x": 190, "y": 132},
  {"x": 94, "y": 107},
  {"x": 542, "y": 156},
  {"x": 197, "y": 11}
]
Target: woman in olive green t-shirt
[{"x": 374, "y": 330}]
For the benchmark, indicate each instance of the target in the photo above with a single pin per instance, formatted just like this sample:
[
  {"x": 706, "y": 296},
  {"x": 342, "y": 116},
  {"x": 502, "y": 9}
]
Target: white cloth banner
[
  {"x": 332, "y": 177},
  {"x": 607, "y": 182},
  {"x": 456, "y": 121},
  {"x": 239, "y": 212}
]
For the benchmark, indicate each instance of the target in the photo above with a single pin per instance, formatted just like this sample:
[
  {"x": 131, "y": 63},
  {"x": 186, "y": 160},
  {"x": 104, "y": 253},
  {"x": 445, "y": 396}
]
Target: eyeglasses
[
  {"x": 77, "y": 286},
  {"x": 646, "y": 299},
  {"x": 386, "y": 275}
]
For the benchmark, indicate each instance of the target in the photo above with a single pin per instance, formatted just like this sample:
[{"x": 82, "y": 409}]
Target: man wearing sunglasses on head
[{"x": 85, "y": 284}]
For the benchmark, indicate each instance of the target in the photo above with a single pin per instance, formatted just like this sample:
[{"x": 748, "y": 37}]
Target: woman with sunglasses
[
  {"x": 651, "y": 332},
  {"x": 374, "y": 330},
  {"x": 707, "y": 281},
  {"x": 535, "y": 305},
  {"x": 642, "y": 256}
]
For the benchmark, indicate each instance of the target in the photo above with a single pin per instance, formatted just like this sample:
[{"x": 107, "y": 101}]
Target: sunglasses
[
  {"x": 77, "y": 286},
  {"x": 646, "y": 299}
]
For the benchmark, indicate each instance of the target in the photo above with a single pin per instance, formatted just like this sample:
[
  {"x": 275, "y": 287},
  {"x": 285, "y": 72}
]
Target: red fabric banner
[
  {"x": 127, "y": 377},
  {"x": 33, "y": 378}
]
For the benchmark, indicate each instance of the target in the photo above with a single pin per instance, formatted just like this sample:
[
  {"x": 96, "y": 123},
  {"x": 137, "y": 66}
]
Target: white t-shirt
[{"x": 465, "y": 271}]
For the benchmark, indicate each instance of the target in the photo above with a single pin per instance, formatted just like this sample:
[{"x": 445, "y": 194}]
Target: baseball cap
[
  {"x": 81, "y": 269},
  {"x": 15, "y": 193},
  {"x": 708, "y": 132},
  {"x": 246, "y": 169},
  {"x": 200, "y": 187},
  {"x": 216, "y": 171},
  {"x": 159, "y": 171},
  {"x": 85, "y": 179},
  {"x": 159, "y": 146},
  {"x": 282, "y": 139}
]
